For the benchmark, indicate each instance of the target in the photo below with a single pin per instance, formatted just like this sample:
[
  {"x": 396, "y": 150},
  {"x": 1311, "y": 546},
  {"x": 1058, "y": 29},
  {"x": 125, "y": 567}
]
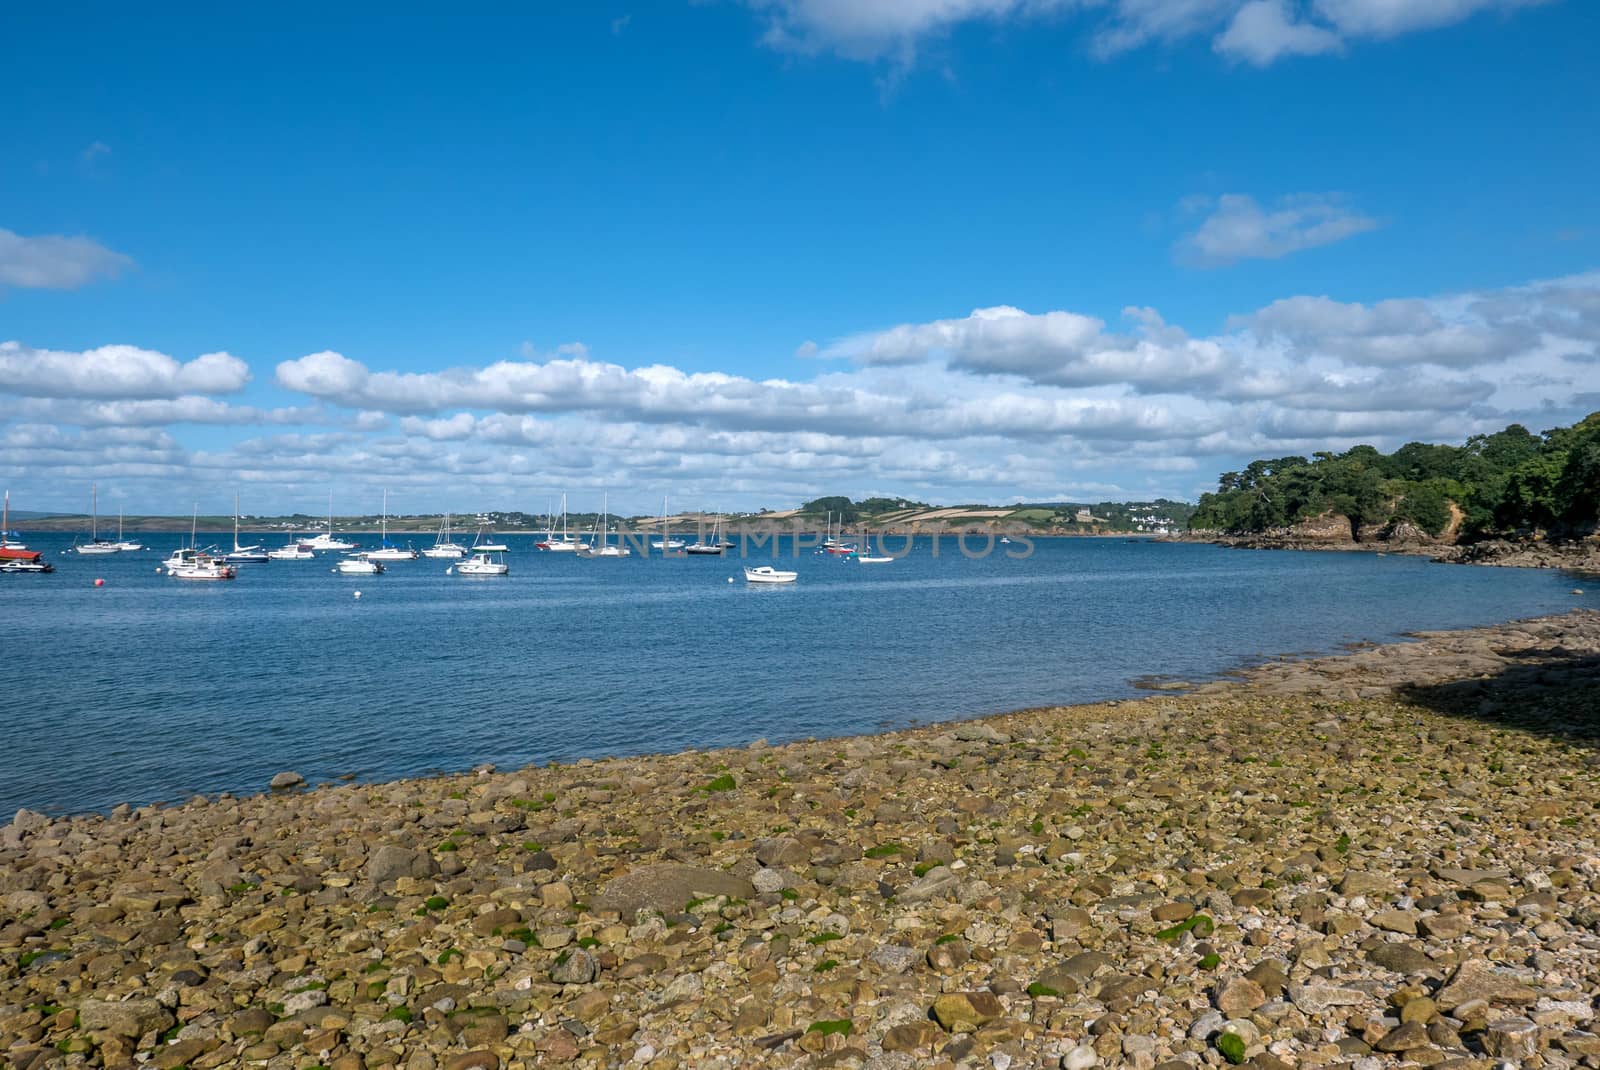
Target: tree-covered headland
[{"x": 1512, "y": 482}]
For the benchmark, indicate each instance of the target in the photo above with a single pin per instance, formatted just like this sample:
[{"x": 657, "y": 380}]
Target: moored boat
[
  {"x": 443, "y": 547},
  {"x": 357, "y": 564},
  {"x": 566, "y": 544},
  {"x": 188, "y": 563},
  {"x": 386, "y": 551},
  {"x": 326, "y": 540},
  {"x": 244, "y": 555},
  {"x": 95, "y": 545},
  {"x": 192, "y": 563},
  {"x": 123, "y": 544},
  {"x": 293, "y": 550},
  {"x": 768, "y": 574},
  {"x": 701, "y": 548},
  {"x": 484, "y": 563},
  {"x": 15, "y": 557}
]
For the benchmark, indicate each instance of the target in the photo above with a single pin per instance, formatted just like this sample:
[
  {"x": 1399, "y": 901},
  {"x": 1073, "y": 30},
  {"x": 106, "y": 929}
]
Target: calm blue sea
[{"x": 152, "y": 689}]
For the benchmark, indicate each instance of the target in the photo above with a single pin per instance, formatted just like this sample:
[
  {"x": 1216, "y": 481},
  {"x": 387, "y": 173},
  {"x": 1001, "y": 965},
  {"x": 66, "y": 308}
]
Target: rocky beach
[{"x": 1385, "y": 858}]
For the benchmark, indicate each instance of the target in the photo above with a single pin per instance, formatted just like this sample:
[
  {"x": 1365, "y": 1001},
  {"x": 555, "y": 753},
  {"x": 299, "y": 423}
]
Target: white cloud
[
  {"x": 1263, "y": 31},
  {"x": 860, "y": 30},
  {"x": 1255, "y": 31},
  {"x": 55, "y": 262},
  {"x": 1055, "y": 348},
  {"x": 115, "y": 371},
  {"x": 1388, "y": 18},
  {"x": 996, "y": 404},
  {"x": 1238, "y": 228},
  {"x": 1395, "y": 332}
]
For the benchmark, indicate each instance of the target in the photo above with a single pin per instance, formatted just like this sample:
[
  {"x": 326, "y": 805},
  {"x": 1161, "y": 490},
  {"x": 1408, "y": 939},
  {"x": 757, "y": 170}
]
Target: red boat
[{"x": 18, "y": 558}]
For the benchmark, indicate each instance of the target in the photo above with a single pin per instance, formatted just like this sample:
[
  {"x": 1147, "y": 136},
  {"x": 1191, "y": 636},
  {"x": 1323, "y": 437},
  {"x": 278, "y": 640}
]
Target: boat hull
[{"x": 766, "y": 574}]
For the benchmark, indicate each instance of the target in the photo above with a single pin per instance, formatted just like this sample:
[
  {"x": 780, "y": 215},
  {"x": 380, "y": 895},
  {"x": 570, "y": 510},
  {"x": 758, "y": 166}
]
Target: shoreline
[
  {"x": 1121, "y": 881},
  {"x": 1578, "y": 555}
]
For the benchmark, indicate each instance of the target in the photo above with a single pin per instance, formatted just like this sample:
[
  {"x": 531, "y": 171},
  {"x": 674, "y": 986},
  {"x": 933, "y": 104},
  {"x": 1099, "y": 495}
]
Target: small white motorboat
[
  {"x": 874, "y": 559},
  {"x": 360, "y": 564},
  {"x": 483, "y": 564},
  {"x": 768, "y": 574},
  {"x": 188, "y": 563},
  {"x": 192, "y": 563},
  {"x": 293, "y": 550},
  {"x": 326, "y": 540}
]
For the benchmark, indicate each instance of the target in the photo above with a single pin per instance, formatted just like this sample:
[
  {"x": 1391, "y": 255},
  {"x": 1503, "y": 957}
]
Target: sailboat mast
[{"x": 94, "y": 513}]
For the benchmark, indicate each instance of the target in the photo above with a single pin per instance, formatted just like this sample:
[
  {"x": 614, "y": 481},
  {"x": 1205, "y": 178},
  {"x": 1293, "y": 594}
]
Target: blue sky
[{"x": 732, "y": 252}]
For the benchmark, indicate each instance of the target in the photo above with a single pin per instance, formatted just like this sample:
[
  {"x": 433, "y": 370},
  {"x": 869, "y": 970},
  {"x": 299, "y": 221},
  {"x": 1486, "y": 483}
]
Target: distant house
[{"x": 1083, "y": 516}]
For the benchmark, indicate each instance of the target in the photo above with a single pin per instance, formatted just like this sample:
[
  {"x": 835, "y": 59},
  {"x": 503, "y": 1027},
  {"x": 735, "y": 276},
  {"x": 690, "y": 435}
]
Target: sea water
[{"x": 150, "y": 688}]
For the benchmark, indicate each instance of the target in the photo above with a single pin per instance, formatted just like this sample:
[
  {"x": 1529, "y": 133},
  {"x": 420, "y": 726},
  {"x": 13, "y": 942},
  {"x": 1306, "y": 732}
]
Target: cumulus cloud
[
  {"x": 1254, "y": 31},
  {"x": 1389, "y": 18},
  {"x": 1056, "y": 348},
  {"x": 998, "y": 403},
  {"x": 1239, "y": 228},
  {"x": 116, "y": 371},
  {"x": 1263, "y": 31},
  {"x": 1389, "y": 332},
  {"x": 55, "y": 261},
  {"x": 871, "y": 30}
]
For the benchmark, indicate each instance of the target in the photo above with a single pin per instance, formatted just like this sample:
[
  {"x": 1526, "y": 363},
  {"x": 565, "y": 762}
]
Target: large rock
[
  {"x": 1319, "y": 999},
  {"x": 964, "y": 1012},
  {"x": 574, "y": 968},
  {"x": 1238, "y": 996},
  {"x": 668, "y": 887},
  {"x": 391, "y": 862},
  {"x": 1476, "y": 979},
  {"x": 127, "y": 1018},
  {"x": 938, "y": 881}
]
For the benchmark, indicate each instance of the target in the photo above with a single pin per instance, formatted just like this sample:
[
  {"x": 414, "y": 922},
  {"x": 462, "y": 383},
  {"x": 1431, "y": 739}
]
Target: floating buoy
[
  {"x": 358, "y": 594},
  {"x": 99, "y": 582},
  {"x": 450, "y": 571},
  {"x": 730, "y": 579}
]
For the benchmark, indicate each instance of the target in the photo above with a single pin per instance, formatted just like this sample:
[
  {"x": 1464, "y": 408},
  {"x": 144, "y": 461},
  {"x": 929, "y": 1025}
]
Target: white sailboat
[
  {"x": 700, "y": 547},
  {"x": 666, "y": 543},
  {"x": 325, "y": 540},
  {"x": 192, "y": 563},
  {"x": 602, "y": 548},
  {"x": 385, "y": 552},
  {"x": 125, "y": 545},
  {"x": 244, "y": 555},
  {"x": 865, "y": 555},
  {"x": 443, "y": 547},
  {"x": 564, "y": 545},
  {"x": 95, "y": 545},
  {"x": 481, "y": 545}
]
